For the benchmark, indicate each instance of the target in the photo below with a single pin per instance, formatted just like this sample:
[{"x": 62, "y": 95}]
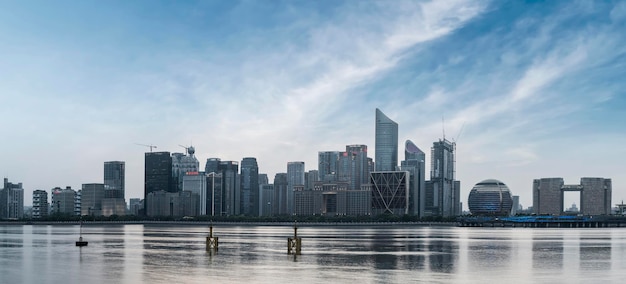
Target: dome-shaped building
[{"x": 490, "y": 197}]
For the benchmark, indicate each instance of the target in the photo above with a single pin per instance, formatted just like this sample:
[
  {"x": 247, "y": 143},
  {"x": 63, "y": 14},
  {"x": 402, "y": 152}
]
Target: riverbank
[{"x": 225, "y": 223}]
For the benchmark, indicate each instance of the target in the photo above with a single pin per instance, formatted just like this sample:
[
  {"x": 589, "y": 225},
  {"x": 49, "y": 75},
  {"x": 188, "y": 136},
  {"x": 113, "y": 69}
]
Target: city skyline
[{"x": 529, "y": 90}]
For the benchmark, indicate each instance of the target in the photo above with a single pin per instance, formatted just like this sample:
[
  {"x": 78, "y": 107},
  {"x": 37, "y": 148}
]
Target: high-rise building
[
  {"x": 249, "y": 187},
  {"x": 196, "y": 183},
  {"x": 41, "y": 206},
  {"x": 328, "y": 165},
  {"x": 547, "y": 196},
  {"x": 11, "y": 200},
  {"x": 215, "y": 194},
  {"x": 310, "y": 178},
  {"x": 212, "y": 165},
  {"x": 182, "y": 164},
  {"x": 386, "y": 146},
  {"x": 158, "y": 174},
  {"x": 595, "y": 195},
  {"x": 92, "y": 195},
  {"x": 63, "y": 200},
  {"x": 295, "y": 177},
  {"x": 354, "y": 166},
  {"x": 266, "y": 196},
  {"x": 223, "y": 188},
  {"x": 3, "y": 203},
  {"x": 414, "y": 163},
  {"x": 443, "y": 188},
  {"x": 114, "y": 202},
  {"x": 231, "y": 192},
  {"x": 280, "y": 194},
  {"x": 78, "y": 202},
  {"x": 390, "y": 192},
  {"x": 114, "y": 179},
  {"x": 266, "y": 200},
  {"x": 263, "y": 179}
]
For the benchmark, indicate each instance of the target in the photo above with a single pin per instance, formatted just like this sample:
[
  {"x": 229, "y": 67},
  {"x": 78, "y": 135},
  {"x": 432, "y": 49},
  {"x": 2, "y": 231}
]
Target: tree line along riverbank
[{"x": 132, "y": 219}]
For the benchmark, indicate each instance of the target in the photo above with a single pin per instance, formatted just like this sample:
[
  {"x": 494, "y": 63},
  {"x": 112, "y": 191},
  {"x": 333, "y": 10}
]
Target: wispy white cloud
[
  {"x": 342, "y": 54},
  {"x": 526, "y": 103}
]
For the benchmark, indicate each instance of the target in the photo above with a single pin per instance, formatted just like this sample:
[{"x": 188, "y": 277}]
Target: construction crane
[
  {"x": 190, "y": 150},
  {"x": 149, "y": 146},
  {"x": 459, "y": 135}
]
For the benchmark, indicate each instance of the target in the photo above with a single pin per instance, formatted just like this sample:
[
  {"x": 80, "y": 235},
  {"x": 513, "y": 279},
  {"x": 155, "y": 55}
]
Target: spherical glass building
[{"x": 490, "y": 197}]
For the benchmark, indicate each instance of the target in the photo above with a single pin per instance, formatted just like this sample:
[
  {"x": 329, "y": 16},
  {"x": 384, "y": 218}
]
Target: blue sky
[{"x": 537, "y": 88}]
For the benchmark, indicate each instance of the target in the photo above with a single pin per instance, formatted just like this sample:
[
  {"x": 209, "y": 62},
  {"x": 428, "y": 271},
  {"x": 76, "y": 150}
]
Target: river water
[{"x": 331, "y": 254}]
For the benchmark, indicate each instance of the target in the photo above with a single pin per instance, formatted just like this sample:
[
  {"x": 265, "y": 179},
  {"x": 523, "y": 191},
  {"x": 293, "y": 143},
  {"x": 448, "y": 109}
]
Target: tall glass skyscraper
[
  {"x": 414, "y": 163},
  {"x": 231, "y": 194},
  {"x": 114, "y": 178},
  {"x": 386, "y": 143},
  {"x": 354, "y": 168},
  {"x": 328, "y": 165},
  {"x": 249, "y": 186},
  {"x": 158, "y": 174},
  {"x": 280, "y": 194},
  {"x": 212, "y": 165},
  {"x": 295, "y": 177}
]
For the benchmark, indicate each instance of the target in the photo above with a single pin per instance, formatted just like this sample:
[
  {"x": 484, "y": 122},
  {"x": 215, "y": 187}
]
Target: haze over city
[{"x": 528, "y": 90}]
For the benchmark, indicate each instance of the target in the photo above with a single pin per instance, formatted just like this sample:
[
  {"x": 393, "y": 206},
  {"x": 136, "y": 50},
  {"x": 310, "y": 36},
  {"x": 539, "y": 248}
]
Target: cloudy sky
[{"x": 528, "y": 90}]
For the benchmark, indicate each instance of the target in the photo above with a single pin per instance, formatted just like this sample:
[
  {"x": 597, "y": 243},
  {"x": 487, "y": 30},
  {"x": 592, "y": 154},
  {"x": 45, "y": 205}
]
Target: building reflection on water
[
  {"x": 114, "y": 250},
  {"x": 547, "y": 252},
  {"x": 494, "y": 251},
  {"x": 393, "y": 254},
  {"x": 12, "y": 236},
  {"x": 443, "y": 255},
  {"x": 595, "y": 253}
]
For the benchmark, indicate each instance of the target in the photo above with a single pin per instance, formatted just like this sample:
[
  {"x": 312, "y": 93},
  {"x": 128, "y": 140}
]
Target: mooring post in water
[
  {"x": 211, "y": 242},
  {"x": 294, "y": 245}
]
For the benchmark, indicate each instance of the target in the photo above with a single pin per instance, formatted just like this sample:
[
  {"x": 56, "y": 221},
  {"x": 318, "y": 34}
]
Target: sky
[{"x": 526, "y": 89}]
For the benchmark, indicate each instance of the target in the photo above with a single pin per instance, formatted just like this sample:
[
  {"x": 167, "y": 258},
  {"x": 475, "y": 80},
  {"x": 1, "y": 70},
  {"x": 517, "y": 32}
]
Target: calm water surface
[{"x": 258, "y": 254}]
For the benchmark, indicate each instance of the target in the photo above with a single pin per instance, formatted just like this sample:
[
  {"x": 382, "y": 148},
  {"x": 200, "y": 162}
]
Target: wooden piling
[
  {"x": 211, "y": 242},
  {"x": 294, "y": 245}
]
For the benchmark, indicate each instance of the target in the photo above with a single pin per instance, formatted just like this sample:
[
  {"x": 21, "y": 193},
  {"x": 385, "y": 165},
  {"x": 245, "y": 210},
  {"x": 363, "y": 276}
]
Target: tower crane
[
  {"x": 149, "y": 146},
  {"x": 190, "y": 150},
  {"x": 459, "y": 135}
]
